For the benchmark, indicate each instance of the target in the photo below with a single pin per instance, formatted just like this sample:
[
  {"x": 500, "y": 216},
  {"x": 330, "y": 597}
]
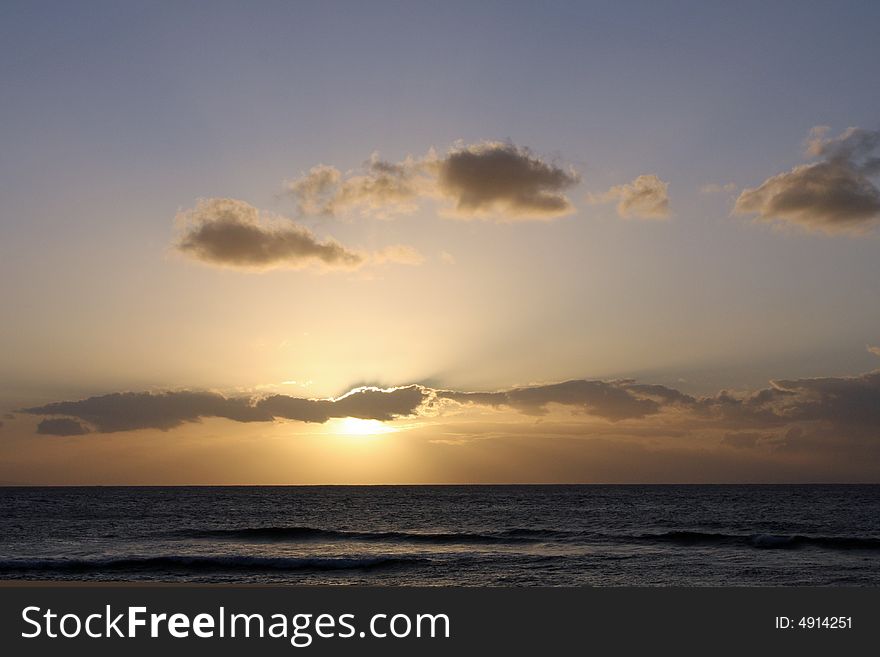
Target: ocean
[{"x": 694, "y": 535}]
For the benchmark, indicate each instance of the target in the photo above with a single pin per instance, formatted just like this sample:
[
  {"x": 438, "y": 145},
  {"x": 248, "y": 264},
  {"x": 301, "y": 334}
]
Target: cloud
[
  {"x": 646, "y": 197},
  {"x": 129, "y": 411},
  {"x": 834, "y": 195},
  {"x": 61, "y": 427},
  {"x": 611, "y": 400},
  {"x": 844, "y": 402},
  {"x": 855, "y": 145},
  {"x": 382, "y": 189},
  {"x": 447, "y": 258},
  {"x": 231, "y": 233},
  {"x": 874, "y": 350},
  {"x": 817, "y": 414},
  {"x": 841, "y": 400},
  {"x": 315, "y": 190},
  {"x": 715, "y": 188},
  {"x": 495, "y": 178},
  {"x": 397, "y": 254},
  {"x": 743, "y": 440},
  {"x": 490, "y": 180}
]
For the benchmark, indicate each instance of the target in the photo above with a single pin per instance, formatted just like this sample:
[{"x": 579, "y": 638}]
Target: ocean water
[{"x": 447, "y": 535}]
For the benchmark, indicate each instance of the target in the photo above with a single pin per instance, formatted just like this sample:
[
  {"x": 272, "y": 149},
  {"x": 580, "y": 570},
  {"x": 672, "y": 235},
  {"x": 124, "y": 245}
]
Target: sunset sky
[{"x": 350, "y": 242}]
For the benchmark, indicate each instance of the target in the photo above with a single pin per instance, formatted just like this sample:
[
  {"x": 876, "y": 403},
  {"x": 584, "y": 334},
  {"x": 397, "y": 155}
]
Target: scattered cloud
[
  {"x": 227, "y": 232},
  {"x": 837, "y": 194},
  {"x": 874, "y": 350},
  {"x": 646, "y": 197},
  {"x": 61, "y": 427},
  {"x": 382, "y": 189},
  {"x": 447, "y": 258},
  {"x": 314, "y": 191},
  {"x": 504, "y": 180},
  {"x": 490, "y": 180},
  {"x": 399, "y": 254}
]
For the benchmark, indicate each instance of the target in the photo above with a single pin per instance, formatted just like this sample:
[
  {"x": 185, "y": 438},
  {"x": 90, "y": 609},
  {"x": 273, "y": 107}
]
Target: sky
[{"x": 496, "y": 242}]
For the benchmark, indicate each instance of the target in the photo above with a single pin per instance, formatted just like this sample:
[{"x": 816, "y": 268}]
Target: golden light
[{"x": 353, "y": 426}]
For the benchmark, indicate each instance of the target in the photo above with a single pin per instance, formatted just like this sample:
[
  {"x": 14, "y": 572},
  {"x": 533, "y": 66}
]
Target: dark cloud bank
[
  {"x": 61, "y": 426},
  {"x": 830, "y": 413},
  {"x": 128, "y": 411}
]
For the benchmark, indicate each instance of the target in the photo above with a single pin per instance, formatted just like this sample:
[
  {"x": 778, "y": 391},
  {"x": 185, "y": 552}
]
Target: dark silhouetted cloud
[
  {"x": 493, "y": 180},
  {"x": 231, "y": 233},
  {"x": 61, "y": 427},
  {"x": 840, "y": 401},
  {"x": 129, "y": 411},
  {"x": 611, "y": 400},
  {"x": 851, "y": 402},
  {"x": 836, "y": 194},
  {"x": 646, "y": 197},
  {"x": 790, "y": 414}
]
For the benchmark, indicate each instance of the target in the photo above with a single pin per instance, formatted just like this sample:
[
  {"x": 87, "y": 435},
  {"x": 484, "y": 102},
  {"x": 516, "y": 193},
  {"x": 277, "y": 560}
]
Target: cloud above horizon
[
  {"x": 610, "y": 400},
  {"x": 228, "y": 232},
  {"x": 487, "y": 180},
  {"x": 646, "y": 197},
  {"x": 819, "y": 414},
  {"x": 130, "y": 411},
  {"x": 837, "y": 194},
  {"x": 61, "y": 426}
]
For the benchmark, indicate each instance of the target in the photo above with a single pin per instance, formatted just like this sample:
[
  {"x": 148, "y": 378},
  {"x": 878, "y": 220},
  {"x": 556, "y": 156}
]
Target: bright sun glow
[{"x": 352, "y": 426}]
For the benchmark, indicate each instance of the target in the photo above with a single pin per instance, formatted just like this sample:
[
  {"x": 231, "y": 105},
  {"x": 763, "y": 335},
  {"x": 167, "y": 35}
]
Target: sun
[{"x": 353, "y": 426}]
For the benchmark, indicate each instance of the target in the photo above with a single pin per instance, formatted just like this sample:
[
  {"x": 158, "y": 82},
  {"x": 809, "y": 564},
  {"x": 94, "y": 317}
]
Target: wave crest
[
  {"x": 200, "y": 563},
  {"x": 294, "y": 534}
]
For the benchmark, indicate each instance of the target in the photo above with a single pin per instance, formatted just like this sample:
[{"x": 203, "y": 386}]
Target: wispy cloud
[
  {"x": 646, "y": 197},
  {"x": 716, "y": 188},
  {"x": 382, "y": 189}
]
